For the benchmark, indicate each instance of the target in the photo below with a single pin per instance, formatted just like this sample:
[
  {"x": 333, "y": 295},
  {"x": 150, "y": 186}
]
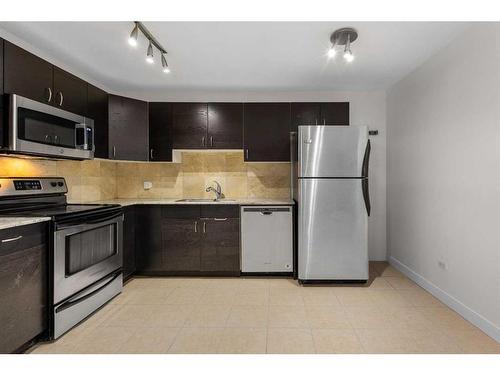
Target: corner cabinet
[
  {"x": 266, "y": 132},
  {"x": 97, "y": 110},
  {"x": 128, "y": 129}
]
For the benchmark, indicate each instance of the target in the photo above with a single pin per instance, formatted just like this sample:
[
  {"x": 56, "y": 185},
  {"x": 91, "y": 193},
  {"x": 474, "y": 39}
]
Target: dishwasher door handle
[{"x": 266, "y": 212}]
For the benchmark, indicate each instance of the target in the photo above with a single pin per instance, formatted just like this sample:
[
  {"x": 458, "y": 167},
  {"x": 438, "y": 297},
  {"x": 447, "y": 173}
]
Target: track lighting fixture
[
  {"x": 343, "y": 37},
  {"x": 149, "y": 56},
  {"x": 132, "y": 40},
  {"x": 152, "y": 43}
]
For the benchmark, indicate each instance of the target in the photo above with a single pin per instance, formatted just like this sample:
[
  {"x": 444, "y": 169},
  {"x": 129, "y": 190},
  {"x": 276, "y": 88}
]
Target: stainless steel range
[{"x": 86, "y": 246}]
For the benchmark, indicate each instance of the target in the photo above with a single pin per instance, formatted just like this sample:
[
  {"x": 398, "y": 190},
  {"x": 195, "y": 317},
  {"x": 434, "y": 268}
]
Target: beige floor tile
[
  {"x": 388, "y": 298},
  {"x": 105, "y": 340},
  {"x": 185, "y": 296},
  {"x": 290, "y": 341},
  {"x": 146, "y": 296},
  {"x": 401, "y": 283},
  {"x": 248, "y": 316},
  {"x": 420, "y": 298},
  {"x": 168, "y": 315},
  {"x": 253, "y": 283},
  {"x": 53, "y": 348},
  {"x": 287, "y": 317},
  {"x": 243, "y": 341},
  {"x": 149, "y": 340},
  {"x": 218, "y": 296},
  {"x": 129, "y": 316},
  {"x": 283, "y": 283},
  {"x": 352, "y": 296},
  {"x": 319, "y": 316},
  {"x": 432, "y": 341},
  {"x": 208, "y": 316},
  {"x": 197, "y": 340},
  {"x": 407, "y": 318},
  {"x": 386, "y": 341},
  {"x": 319, "y": 296},
  {"x": 445, "y": 318},
  {"x": 366, "y": 317},
  {"x": 474, "y": 341},
  {"x": 379, "y": 283},
  {"x": 255, "y": 296},
  {"x": 285, "y": 297},
  {"x": 336, "y": 341},
  {"x": 390, "y": 271}
]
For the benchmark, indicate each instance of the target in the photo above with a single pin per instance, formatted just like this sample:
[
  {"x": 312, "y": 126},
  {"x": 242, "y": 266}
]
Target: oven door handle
[
  {"x": 79, "y": 298},
  {"x": 88, "y": 222}
]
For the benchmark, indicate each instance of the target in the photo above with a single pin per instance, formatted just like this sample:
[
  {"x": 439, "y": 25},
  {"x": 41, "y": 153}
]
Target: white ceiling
[{"x": 237, "y": 55}]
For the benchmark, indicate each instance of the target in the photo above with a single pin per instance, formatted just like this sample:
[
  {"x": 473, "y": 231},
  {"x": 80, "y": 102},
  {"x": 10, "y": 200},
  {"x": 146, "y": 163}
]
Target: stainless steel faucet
[{"x": 217, "y": 190}]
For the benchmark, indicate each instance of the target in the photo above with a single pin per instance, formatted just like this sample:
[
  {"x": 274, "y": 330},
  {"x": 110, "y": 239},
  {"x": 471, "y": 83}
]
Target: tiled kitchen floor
[{"x": 390, "y": 314}]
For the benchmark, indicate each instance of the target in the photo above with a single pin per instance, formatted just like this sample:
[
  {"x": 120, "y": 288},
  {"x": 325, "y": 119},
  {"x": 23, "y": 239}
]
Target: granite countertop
[
  {"x": 241, "y": 201},
  {"x": 13, "y": 221}
]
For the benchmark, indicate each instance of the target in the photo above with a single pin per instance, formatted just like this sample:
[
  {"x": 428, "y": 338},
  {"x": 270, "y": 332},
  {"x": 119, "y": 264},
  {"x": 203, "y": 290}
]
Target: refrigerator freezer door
[
  {"x": 332, "y": 151},
  {"x": 333, "y": 228}
]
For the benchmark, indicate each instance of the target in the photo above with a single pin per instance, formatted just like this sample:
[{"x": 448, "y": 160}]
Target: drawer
[
  {"x": 22, "y": 237},
  {"x": 180, "y": 211},
  {"x": 220, "y": 211}
]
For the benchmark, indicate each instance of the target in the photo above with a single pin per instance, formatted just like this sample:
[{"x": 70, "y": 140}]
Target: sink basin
[{"x": 203, "y": 200}]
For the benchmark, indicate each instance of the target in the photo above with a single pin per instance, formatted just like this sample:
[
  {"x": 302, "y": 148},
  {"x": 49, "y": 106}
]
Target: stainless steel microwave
[{"x": 39, "y": 129}]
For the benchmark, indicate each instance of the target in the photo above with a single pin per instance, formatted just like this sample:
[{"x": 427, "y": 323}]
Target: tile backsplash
[{"x": 103, "y": 179}]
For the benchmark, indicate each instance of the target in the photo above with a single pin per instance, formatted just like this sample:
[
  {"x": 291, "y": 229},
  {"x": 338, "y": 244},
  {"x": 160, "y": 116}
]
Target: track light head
[
  {"x": 164, "y": 64},
  {"x": 132, "y": 40},
  {"x": 149, "y": 56}
]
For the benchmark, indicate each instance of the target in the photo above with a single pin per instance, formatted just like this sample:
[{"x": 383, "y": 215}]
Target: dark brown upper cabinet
[
  {"x": 225, "y": 126},
  {"x": 97, "y": 110},
  {"x": 190, "y": 121},
  {"x": 128, "y": 129},
  {"x": 70, "y": 92},
  {"x": 267, "y": 132},
  {"x": 326, "y": 113},
  {"x": 335, "y": 113},
  {"x": 27, "y": 75},
  {"x": 1, "y": 72},
  {"x": 160, "y": 131}
]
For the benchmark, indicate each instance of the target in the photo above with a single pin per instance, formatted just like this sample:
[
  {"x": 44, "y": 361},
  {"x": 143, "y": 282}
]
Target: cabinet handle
[
  {"x": 12, "y": 239},
  {"x": 324, "y": 121},
  {"x": 211, "y": 141},
  {"x": 316, "y": 121},
  {"x": 56, "y": 139},
  {"x": 247, "y": 153},
  {"x": 114, "y": 151},
  {"x": 49, "y": 99},
  {"x": 203, "y": 141},
  {"x": 195, "y": 227},
  {"x": 151, "y": 154},
  {"x": 220, "y": 219},
  {"x": 61, "y": 98},
  {"x": 204, "y": 227}
]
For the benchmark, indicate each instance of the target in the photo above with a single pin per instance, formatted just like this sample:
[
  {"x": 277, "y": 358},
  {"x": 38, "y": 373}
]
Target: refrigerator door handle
[
  {"x": 366, "y": 194},
  {"x": 366, "y": 159}
]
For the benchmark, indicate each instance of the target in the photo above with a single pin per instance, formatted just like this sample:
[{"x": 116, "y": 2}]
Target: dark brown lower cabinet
[
  {"x": 23, "y": 285},
  {"x": 129, "y": 262},
  {"x": 187, "y": 240}
]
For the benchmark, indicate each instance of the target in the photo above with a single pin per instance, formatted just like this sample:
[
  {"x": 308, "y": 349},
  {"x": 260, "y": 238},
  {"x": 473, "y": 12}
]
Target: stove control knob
[
  {"x": 60, "y": 184},
  {"x": 53, "y": 184}
]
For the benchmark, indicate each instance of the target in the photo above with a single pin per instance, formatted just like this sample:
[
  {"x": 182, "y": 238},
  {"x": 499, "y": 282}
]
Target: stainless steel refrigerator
[{"x": 330, "y": 186}]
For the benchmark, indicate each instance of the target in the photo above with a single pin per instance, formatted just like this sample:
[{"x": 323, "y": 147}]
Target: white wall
[
  {"x": 443, "y": 175},
  {"x": 366, "y": 108}
]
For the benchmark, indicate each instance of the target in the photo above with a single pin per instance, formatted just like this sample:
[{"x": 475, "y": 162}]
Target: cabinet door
[
  {"x": 26, "y": 74},
  {"x": 221, "y": 245},
  {"x": 160, "y": 131},
  {"x": 70, "y": 92},
  {"x": 225, "y": 125},
  {"x": 267, "y": 131},
  {"x": 97, "y": 110},
  {"x": 128, "y": 128},
  {"x": 189, "y": 125},
  {"x": 335, "y": 113},
  {"x": 129, "y": 262},
  {"x": 1, "y": 73},
  {"x": 23, "y": 284},
  {"x": 148, "y": 249},
  {"x": 305, "y": 114}
]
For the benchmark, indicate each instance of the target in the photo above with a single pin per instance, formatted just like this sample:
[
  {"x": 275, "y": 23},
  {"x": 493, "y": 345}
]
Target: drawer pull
[
  {"x": 12, "y": 239},
  {"x": 216, "y": 219}
]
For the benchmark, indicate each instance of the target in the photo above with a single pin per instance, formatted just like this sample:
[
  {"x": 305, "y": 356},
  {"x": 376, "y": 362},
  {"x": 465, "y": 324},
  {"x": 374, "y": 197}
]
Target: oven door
[
  {"x": 40, "y": 129},
  {"x": 85, "y": 251}
]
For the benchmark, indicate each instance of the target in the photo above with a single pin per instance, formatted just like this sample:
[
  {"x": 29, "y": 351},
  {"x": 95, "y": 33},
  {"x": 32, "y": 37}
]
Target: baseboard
[{"x": 467, "y": 313}]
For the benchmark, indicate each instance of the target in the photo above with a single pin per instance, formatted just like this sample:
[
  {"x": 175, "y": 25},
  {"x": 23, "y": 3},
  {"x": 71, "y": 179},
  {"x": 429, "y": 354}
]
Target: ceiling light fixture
[
  {"x": 149, "y": 56},
  {"x": 152, "y": 43},
  {"x": 132, "y": 40},
  {"x": 343, "y": 37}
]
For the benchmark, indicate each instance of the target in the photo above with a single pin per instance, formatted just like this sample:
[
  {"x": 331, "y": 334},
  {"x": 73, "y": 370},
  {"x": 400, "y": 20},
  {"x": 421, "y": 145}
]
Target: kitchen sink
[{"x": 204, "y": 200}]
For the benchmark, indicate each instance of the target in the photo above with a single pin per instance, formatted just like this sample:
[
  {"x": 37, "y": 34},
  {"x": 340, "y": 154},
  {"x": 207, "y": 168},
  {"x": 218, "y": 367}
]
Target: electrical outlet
[
  {"x": 148, "y": 185},
  {"x": 442, "y": 265}
]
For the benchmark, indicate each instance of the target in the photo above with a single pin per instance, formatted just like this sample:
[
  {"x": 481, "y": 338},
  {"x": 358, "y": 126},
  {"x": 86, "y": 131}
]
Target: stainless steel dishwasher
[{"x": 266, "y": 239}]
